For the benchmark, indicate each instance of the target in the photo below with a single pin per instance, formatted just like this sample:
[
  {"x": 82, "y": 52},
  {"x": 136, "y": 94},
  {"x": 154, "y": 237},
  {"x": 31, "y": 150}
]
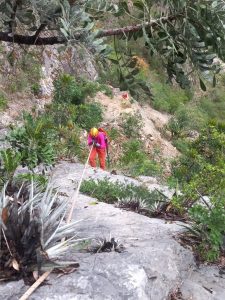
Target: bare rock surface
[
  {"x": 152, "y": 264},
  {"x": 70, "y": 174}
]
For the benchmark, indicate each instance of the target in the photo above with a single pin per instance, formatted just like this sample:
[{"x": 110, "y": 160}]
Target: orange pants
[{"x": 101, "y": 156}]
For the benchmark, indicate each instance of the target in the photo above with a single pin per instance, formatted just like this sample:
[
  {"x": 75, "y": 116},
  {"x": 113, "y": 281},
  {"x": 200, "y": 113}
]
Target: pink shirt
[{"x": 99, "y": 139}]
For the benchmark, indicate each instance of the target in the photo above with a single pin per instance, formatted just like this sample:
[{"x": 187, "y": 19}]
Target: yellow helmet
[{"x": 94, "y": 132}]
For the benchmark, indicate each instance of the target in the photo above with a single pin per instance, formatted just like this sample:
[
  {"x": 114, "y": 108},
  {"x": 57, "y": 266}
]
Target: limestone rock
[{"x": 152, "y": 265}]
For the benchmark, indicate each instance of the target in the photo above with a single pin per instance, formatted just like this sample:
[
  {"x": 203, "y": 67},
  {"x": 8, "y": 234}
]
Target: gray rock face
[
  {"x": 68, "y": 173},
  {"x": 152, "y": 265},
  {"x": 204, "y": 283},
  {"x": 3, "y": 143},
  {"x": 74, "y": 61}
]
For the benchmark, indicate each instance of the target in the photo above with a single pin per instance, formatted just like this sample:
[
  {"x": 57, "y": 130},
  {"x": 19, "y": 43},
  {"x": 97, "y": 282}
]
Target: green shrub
[
  {"x": 27, "y": 72},
  {"x": 35, "y": 88},
  {"x": 89, "y": 115},
  {"x": 67, "y": 90},
  {"x": 90, "y": 88},
  {"x": 9, "y": 161},
  {"x": 18, "y": 83},
  {"x": 186, "y": 118},
  {"x": 61, "y": 113},
  {"x": 175, "y": 127},
  {"x": 146, "y": 167},
  {"x": 40, "y": 180},
  {"x": 30, "y": 65},
  {"x": 208, "y": 227},
  {"x": 67, "y": 132},
  {"x": 168, "y": 98},
  {"x": 132, "y": 125},
  {"x": 34, "y": 141},
  {"x": 132, "y": 151},
  {"x": 136, "y": 162},
  {"x": 201, "y": 172},
  {"x": 109, "y": 192},
  {"x": 3, "y": 101},
  {"x": 181, "y": 144},
  {"x": 69, "y": 144},
  {"x": 208, "y": 151},
  {"x": 106, "y": 90},
  {"x": 113, "y": 134},
  {"x": 214, "y": 104}
]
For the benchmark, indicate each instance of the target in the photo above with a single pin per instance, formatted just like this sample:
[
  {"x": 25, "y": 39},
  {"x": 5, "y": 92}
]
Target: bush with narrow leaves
[
  {"x": 34, "y": 141},
  {"x": 201, "y": 172}
]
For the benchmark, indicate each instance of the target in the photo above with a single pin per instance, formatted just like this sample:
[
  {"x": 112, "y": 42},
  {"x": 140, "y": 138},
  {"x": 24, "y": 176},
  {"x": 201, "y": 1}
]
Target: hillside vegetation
[{"x": 157, "y": 87}]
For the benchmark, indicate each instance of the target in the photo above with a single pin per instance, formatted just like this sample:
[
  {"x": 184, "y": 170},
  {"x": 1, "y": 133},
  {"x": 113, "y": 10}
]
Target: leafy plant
[
  {"x": 30, "y": 141},
  {"x": 135, "y": 161},
  {"x": 89, "y": 115},
  {"x": 71, "y": 91},
  {"x": 113, "y": 133},
  {"x": 25, "y": 71},
  {"x": 168, "y": 98},
  {"x": 9, "y": 161},
  {"x": 61, "y": 113},
  {"x": 181, "y": 144},
  {"x": 109, "y": 192},
  {"x": 69, "y": 143},
  {"x": 208, "y": 228},
  {"x": 67, "y": 90},
  {"x": 134, "y": 204},
  {"x": 175, "y": 127},
  {"x": 38, "y": 179},
  {"x": 3, "y": 101},
  {"x": 35, "y": 88},
  {"x": 187, "y": 118},
  {"x": 200, "y": 172},
  {"x": 106, "y": 245},
  {"x": 106, "y": 90},
  {"x": 132, "y": 125}
]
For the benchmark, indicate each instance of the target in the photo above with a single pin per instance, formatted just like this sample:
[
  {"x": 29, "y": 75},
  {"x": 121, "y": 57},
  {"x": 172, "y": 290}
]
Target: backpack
[{"x": 105, "y": 135}]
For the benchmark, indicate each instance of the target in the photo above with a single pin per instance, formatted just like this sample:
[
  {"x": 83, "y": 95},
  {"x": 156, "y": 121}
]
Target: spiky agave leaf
[
  {"x": 104, "y": 244},
  {"x": 156, "y": 207},
  {"x": 33, "y": 230},
  {"x": 132, "y": 203}
]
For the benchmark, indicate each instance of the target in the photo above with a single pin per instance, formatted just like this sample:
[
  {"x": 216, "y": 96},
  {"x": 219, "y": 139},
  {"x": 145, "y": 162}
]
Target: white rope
[{"x": 75, "y": 197}]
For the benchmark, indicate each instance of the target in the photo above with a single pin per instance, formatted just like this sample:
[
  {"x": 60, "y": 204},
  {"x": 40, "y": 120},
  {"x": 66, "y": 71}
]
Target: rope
[
  {"x": 69, "y": 217},
  {"x": 42, "y": 278}
]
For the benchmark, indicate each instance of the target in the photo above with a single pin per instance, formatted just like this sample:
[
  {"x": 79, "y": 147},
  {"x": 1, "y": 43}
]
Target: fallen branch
[{"x": 27, "y": 294}]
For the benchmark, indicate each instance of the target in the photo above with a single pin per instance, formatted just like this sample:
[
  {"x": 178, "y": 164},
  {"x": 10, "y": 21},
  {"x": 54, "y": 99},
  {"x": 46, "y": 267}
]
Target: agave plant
[
  {"x": 135, "y": 204},
  {"x": 156, "y": 208},
  {"x": 103, "y": 244},
  {"x": 33, "y": 233}
]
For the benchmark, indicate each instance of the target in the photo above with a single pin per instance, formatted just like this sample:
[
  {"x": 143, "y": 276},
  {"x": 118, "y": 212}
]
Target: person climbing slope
[{"x": 98, "y": 139}]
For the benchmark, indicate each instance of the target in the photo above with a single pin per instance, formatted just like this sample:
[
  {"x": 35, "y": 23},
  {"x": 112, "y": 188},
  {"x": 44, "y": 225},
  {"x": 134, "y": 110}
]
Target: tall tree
[{"x": 188, "y": 35}]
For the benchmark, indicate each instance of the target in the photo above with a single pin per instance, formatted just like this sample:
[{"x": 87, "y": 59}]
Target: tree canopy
[{"x": 188, "y": 35}]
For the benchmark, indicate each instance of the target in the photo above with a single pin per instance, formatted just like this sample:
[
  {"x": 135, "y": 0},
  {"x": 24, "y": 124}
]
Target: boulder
[{"x": 152, "y": 264}]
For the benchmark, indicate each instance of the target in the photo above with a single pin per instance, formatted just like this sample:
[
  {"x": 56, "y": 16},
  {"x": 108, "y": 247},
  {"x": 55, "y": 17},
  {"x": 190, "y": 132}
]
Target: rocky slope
[
  {"x": 152, "y": 265},
  {"x": 54, "y": 60},
  {"x": 153, "y": 121}
]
